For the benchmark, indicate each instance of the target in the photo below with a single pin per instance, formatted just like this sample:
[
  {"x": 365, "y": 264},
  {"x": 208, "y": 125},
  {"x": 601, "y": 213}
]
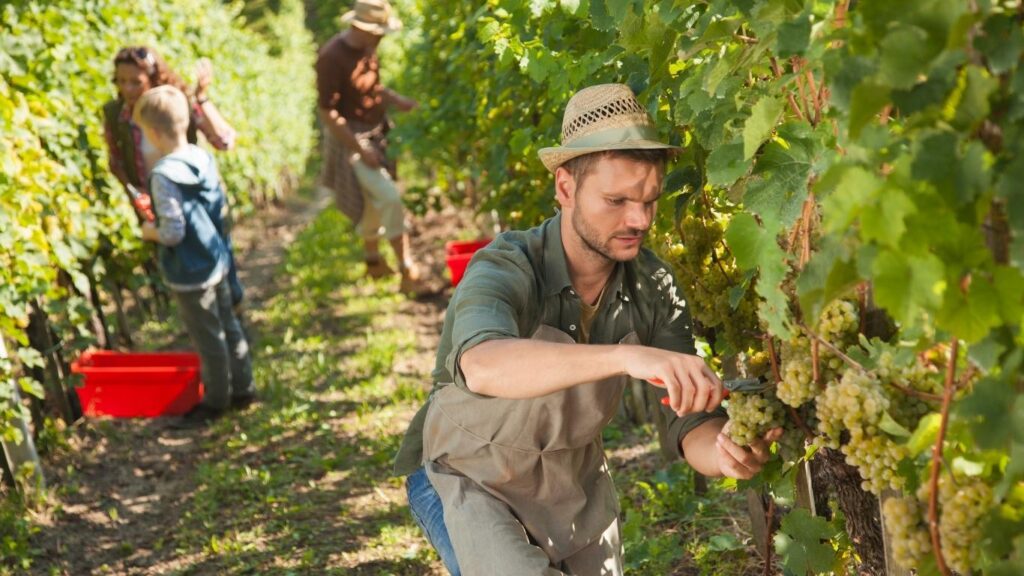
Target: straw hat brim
[
  {"x": 393, "y": 24},
  {"x": 555, "y": 156}
]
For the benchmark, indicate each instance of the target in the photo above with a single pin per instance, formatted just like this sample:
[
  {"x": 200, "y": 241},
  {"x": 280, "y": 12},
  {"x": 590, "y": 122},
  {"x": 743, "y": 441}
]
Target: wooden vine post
[{"x": 22, "y": 455}]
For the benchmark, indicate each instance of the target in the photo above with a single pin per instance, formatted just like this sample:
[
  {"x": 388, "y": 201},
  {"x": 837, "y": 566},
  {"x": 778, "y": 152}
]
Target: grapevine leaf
[
  {"x": 847, "y": 72},
  {"x": 1001, "y": 43},
  {"x": 866, "y": 100},
  {"x": 1005, "y": 532},
  {"x": 570, "y": 6},
  {"x": 803, "y": 543},
  {"x": 970, "y": 314},
  {"x": 726, "y": 164},
  {"x": 844, "y": 204},
  {"x": 783, "y": 168},
  {"x": 600, "y": 17},
  {"x": 883, "y": 221},
  {"x": 905, "y": 283},
  {"x": 925, "y": 434},
  {"x": 905, "y": 54},
  {"x": 1014, "y": 473},
  {"x": 32, "y": 387},
  {"x": 763, "y": 117},
  {"x": 985, "y": 410},
  {"x": 794, "y": 36},
  {"x": 986, "y": 353},
  {"x": 1009, "y": 285},
  {"x": 755, "y": 247},
  {"x": 959, "y": 177},
  {"x": 892, "y": 427},
  {"x": 829, "y": 273}
]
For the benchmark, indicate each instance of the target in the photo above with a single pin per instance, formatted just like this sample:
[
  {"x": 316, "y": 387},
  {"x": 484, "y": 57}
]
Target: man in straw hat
[
  {"x": 507, "y": 474},
  {"x": 353, "y": 106}
]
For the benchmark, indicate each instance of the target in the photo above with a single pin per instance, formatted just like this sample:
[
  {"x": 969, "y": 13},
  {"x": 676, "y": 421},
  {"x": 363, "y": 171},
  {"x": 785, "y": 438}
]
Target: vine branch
[{"x": 933, "y": 496}]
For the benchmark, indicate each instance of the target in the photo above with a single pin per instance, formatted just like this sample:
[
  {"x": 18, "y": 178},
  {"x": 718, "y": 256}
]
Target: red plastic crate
[
  {"x": 129, "y": 385},
  {"x": 459, "y": 253}
]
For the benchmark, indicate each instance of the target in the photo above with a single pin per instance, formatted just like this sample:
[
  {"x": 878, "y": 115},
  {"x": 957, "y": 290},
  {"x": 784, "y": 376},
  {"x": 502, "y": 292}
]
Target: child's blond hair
[{"x": 164, "y": 109}]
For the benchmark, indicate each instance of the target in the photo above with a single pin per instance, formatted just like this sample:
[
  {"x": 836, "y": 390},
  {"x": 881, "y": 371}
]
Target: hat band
[{"x": 615, "y": 135}]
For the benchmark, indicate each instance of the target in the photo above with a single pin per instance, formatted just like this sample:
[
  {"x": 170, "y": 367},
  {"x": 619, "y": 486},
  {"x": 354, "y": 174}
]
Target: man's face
[{"x": 613, "y": 206}]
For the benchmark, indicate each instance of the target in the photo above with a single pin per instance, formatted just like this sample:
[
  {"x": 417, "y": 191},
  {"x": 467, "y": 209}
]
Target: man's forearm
[
  {"x": 338, "y": 127},
  {"x": 699, "y": 447},
  {"x": 522, "y": 368}
]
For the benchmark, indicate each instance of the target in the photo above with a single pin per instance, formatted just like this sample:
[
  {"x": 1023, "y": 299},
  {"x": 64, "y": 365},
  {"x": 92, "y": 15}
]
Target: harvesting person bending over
[
  {"x": 507, "y": 474},
  {"x": 353, "y": 108},
  {"x": 193, "y": 251}
]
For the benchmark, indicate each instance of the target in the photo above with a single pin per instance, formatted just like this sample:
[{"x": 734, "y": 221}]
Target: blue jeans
[{"x": 429, "y": 514}]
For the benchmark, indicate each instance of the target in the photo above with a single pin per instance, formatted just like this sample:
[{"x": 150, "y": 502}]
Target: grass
[
  {"x": 667, "y": 527},
  {"x": 302, "y": 482}
]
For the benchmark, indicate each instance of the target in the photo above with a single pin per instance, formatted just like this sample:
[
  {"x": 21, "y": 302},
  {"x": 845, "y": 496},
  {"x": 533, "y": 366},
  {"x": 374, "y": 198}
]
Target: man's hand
[
  {"x": 405, "y": 104},
  {"x": 371, "y": 157},
  {"x": 149, "y": 232},
  {"x": 691, "y": 385},
  {"x": 741, "y": 463},
  {"x": 402, "y": 103}
]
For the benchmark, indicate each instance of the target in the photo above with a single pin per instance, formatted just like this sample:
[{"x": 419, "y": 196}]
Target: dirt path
[{"x": 296, "y": 484}]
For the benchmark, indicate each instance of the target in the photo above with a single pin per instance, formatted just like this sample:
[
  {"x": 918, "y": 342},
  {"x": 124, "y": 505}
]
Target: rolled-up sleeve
[
  {"x": 673, "y": 331},
  {"x": 490, "y": 303}
]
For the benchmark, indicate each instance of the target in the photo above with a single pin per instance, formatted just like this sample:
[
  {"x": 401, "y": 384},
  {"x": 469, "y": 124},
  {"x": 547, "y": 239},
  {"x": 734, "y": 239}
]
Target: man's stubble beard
[{"x": 593, "y": 243}]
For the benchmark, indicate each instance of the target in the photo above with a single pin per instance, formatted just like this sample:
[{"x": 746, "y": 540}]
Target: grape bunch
[
  {"x": 797, "y": 385},
  {"x": 904, "y": 518},
  {"x": 964, "y": 504},
  {"x": 855, "y": 403},
  {"x": 708, "y": 274},
  {"x": 751, "y": 415},
  {"x": 837, "y": 325},
  {"x": 839, "y": 322},
  {"x": 876, "y": 458}
]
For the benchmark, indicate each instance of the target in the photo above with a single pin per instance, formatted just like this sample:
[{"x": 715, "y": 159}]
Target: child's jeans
[{"x": 223, "y": 350}]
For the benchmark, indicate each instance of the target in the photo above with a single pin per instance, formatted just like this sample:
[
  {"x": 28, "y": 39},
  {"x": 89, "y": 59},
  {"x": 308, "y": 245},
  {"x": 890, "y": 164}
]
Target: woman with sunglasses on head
[{"x": 137, "y": 69}]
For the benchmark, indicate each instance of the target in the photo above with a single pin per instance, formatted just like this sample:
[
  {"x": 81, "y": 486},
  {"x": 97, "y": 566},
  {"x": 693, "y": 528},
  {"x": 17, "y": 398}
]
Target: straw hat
[
  {"x": 373, "y": 16},
  {"x": 599, "y": 118}
]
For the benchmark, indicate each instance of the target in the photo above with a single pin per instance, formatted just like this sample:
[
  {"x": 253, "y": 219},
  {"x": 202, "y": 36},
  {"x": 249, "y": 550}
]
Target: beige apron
[{"x": 501, "y": 465}]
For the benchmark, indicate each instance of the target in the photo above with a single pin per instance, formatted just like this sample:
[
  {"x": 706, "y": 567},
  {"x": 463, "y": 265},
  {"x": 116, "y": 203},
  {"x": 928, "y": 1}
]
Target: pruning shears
[{"x": 742, "y": 385}]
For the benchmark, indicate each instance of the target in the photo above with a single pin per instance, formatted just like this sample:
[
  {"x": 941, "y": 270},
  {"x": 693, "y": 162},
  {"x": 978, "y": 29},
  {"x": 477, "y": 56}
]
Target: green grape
[
  {"x": 838, "y": 321},
  {"x": 876, "y": 458},
  {"x": 751, "y": 415},
  {"x": 905, "y": 408},
  {"x": 964, "y": 505},
  {"x": 797, "y": 385},
  {"x": 855, "y": 403},
  {"x": 910, "y": 539}
]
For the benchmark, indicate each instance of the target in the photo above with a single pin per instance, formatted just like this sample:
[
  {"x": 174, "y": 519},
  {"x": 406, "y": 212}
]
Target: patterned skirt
[{"x": 337, "y": 173}]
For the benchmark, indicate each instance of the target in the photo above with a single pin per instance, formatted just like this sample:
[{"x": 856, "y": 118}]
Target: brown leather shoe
[{"x": 378, "y": 269}]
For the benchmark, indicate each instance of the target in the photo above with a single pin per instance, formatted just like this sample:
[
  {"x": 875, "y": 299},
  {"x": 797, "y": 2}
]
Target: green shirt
[{"x": 521, "y": 280}]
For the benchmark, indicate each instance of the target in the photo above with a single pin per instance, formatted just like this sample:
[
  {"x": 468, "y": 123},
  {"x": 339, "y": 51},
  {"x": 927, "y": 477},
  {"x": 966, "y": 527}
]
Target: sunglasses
[{"x": 136, "y": 55}]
